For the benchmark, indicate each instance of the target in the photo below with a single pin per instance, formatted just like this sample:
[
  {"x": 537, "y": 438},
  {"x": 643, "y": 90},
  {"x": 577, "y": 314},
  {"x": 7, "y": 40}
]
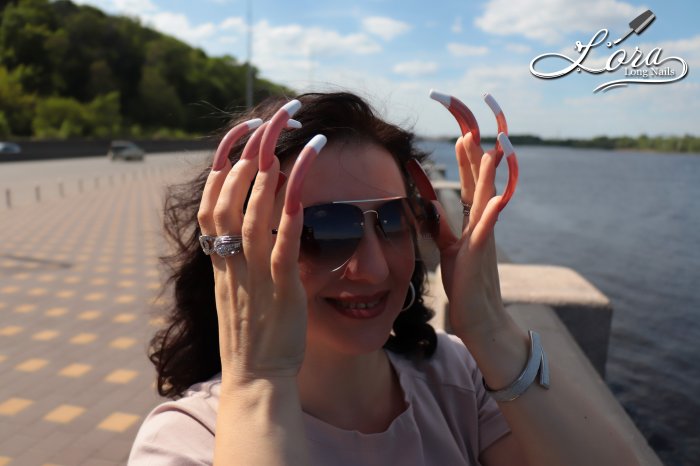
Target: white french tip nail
[
  {"x": 505, "y": 144},
  {"x": 491, "y": 102},
  {"x": 444, "y": 99},
  {"x": 293, "y": 124},
  {"x": 317, "y": 142},
  {"x": 254, "y": 123},
  {"x": 292, "y": 107}
]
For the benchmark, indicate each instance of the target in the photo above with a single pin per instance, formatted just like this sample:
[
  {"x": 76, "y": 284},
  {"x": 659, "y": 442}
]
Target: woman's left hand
[{"x": 468, "y": 263}]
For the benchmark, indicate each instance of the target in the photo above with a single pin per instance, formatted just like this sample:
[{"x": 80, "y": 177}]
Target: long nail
[
  {"x": 301, "y": 167},
  {"x": 230, "y": 139},
  {"x": 500, "y": 119},
  {"x": 509, "y": 153},
  {"x": 465, "y": 118},
  {"x": 272, "y": 132},
  {"x": 252, "y": 147}
]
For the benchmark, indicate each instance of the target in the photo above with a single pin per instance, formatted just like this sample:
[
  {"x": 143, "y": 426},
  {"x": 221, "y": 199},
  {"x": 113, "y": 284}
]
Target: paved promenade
[{"x": 79, "y": 278}]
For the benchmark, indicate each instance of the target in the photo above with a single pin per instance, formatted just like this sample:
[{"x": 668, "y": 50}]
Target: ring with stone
[{"x": 228, "y": 245}]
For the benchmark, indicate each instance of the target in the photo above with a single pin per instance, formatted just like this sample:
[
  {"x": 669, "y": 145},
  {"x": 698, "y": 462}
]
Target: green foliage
[
  {"x": 75, "y": 60},
  {"x": 4, "y": 126}
]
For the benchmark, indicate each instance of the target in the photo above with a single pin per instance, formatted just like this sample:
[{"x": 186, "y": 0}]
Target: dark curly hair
[{"x": 186, "y": 350}]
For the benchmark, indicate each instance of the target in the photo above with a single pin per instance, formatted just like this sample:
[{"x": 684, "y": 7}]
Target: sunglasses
[{"x": 332, "y": 232}]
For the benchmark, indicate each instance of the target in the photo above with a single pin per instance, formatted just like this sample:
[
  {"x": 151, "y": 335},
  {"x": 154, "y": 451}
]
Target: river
[{"x": 630, "y": 223}]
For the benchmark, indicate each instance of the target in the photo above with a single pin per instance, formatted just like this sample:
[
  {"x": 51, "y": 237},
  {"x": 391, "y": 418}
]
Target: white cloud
[
  {"x": 518, "y": 48},
  {"x": 386, "y": 28},
  {"x": 465, "y": 50},
  {"x": 178, "y": 25},
  {"x": 415, "y": 68},
  {"x": 550, "y": 22},
  {"x": 457, "y": 25},
  {"x": 234, "y": 22}
]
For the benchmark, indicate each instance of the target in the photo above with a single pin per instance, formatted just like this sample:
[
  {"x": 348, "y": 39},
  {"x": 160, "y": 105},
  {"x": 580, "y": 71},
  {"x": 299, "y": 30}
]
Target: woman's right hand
[{"x": 260, "y": 300}]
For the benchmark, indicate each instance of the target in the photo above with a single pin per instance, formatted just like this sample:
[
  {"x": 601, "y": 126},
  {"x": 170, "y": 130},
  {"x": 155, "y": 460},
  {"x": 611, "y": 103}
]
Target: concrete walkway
[{"x": 78, "y": 283}]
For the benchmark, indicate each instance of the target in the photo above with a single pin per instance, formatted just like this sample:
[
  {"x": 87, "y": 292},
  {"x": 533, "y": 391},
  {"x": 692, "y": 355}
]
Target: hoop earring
[{"x": 413, "y": 296}]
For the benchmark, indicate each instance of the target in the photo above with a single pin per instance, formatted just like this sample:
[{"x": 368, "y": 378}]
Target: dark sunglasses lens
[
  {"x": 331, "y": 234},
  {"x": 393, "y": 218}
]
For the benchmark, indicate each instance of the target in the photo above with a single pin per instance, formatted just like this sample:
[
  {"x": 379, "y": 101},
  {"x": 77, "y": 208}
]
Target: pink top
[{"x": 450, "y": 420}]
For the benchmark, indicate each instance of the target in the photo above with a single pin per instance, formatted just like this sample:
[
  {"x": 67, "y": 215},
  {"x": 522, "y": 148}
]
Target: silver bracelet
[{"x": 536, "y": 364}]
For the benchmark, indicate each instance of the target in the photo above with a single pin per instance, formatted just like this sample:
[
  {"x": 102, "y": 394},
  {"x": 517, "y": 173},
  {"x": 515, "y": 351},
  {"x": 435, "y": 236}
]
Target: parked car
[
  {"x": 10, "y": 148},
  {"x": 125, "y": 150}
]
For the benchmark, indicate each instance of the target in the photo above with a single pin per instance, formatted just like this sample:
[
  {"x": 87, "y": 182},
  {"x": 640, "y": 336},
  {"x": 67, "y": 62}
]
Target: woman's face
[{"x": 351, "y": 310}]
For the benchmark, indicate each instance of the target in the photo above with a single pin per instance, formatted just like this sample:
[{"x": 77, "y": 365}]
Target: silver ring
[
  {"x": 228, "y": 245},
  {"x": 466, "y": 208},
  {"x": 207, "y": 243}
]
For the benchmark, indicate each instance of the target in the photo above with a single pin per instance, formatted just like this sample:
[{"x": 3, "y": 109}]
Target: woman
[{"x": 314, "y": 288}]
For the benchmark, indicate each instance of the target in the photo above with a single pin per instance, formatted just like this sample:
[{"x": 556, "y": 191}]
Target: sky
[{"x": 394, "y": 52}]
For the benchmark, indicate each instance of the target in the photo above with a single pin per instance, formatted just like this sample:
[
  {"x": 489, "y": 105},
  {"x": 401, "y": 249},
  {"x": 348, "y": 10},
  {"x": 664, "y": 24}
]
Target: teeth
[{"x": 348, "y": 305}]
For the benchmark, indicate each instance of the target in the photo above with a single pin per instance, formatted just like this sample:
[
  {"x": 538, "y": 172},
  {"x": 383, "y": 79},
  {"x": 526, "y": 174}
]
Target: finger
[
  {"x": 500, "y": 120},
  {"x": 512, "y": 170},
  {"x": 216, "y": 178},
  {"x": 474, "y": 153},
  {"x": 484, "y": 188},
  {"x": 465, "y": 118},
  {"x": 272, "y": 132},
  {"x": 446, "y": 237},
  {"x": 466, "y": 174},
  {"x": 230, "y": 139},
  {"x": 285, "y": 254},
  {"x": 484, "y": 229},
  {"x": 257, "y": 221}
]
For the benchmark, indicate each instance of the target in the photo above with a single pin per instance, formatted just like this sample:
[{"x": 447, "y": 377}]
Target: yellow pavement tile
[
  {"x": 83, "y": 338},
  {"x": 46, "y": 278},
  {"x": 24, "y": 308},
  {"x": 153, "y": 286},
  {"x": 64, "y": 414},
  {"x": 31, "y": 365},
  {"x": 9, "y": 289},
  {"x": 13, "y": 406},
  {"x": 65, "y": 294},
  {"x": 5, "y": 460},
  {"x": 45, "y": 335},
  {"x": 128, "y": 260},
  {"x": 126, "y": 283},
  {"x": 152, "y": 273},
  {"x": 50, "y": 464},
  {"x": 94, "y": 297},
  {"x": 157, "y": 322},
  {"x": 98, "y": 281},
  {"x": 123, "y": 343},
  {"x": 102, "y": 269},
  {"x": 121, "y": 376},
  {"x": 37, "y": 292},
  {"x": 60, "y": 257},
  {"x": 89, "y": 315},
  {"x": 3, "y": 305},
  {"x": 72, "y": 279},
  {"x": 21, "y": 276},
  {"x": 106, "y": 259},
  {"x": 124, "y": 318},
  {"x": 56, "y": 311},
  {"x": 118, "y": 422},
  {"x": 75, "y": 370},
  {"x": 2, "y": 357},
  {"x": 10, "y": 330},
  {"x": 127, "y": 271},
  {"x": 125, "y": 299}
]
